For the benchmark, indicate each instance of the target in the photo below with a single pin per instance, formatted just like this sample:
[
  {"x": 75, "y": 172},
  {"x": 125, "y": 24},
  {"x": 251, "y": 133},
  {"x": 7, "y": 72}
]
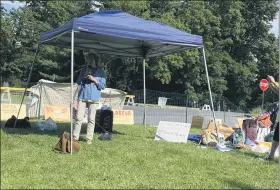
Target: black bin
[{"x": 103, "y": 119}]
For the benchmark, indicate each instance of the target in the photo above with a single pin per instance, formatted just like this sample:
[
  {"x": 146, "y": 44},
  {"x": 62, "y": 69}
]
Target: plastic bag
[
  {"x": 47, "y": 125},
  {"x": 105, "y": 136},
  {"x": 269, "y": 137},
  {"x": 106, "y": 107},
  {"x": 260, "y": 149},
  {"x": 238, "y": 137}
]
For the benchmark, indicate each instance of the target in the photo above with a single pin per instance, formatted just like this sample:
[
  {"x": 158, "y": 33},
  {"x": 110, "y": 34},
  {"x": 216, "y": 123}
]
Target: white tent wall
[{"x": 57, "y": 94}]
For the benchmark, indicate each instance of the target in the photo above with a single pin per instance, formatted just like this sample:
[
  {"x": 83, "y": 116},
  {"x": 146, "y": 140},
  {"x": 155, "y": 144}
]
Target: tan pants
[{"x": 82, "y": 105}]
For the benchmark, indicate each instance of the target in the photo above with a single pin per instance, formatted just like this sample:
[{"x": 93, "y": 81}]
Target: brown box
[
  {"x": 222, "y": 128},
  {"x": 197, "y": 122}
]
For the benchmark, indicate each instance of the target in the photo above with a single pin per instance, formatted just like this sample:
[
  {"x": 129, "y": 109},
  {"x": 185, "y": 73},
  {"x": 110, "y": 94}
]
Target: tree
[
  {"x": 239, "y": 49},
  {"x": 247, "y": 50},
  {"x": 19, "y": 26},
  {"x": 31, "y": 21}
]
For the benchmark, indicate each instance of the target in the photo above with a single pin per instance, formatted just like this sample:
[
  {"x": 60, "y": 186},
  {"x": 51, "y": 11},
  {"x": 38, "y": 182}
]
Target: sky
[
  {"x": 8, "y": 5},
  {"x": 275, "y": 25}
]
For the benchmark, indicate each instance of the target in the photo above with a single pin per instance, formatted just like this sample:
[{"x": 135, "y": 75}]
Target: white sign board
[
  {"x": 162, "y": 101},
  {"x": 173, "y": 131}
]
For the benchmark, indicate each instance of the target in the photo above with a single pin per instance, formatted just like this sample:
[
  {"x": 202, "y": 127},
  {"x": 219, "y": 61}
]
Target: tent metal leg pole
[
  {"x": 209, "y": 88},
  {"x": 144, "y": 83},
  {"x": 40, "y": 100},
  {"x": 72, "y": 80},
  {"x": 279, "y": 55},
  {"x": 27, "y": 83}
]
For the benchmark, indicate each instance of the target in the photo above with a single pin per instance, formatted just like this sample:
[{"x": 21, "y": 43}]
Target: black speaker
[{"x": 103, "y": 121}]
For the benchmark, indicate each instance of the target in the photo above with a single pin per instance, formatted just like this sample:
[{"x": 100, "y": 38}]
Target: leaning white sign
[{"x": 173, "y": 131}]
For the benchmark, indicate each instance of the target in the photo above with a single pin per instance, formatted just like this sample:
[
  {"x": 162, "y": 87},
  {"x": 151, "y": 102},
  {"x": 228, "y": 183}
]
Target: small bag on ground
[
  {"x": 105, "y": 136},
  {"x": 64, "y": 144},
  {"x": 47, "y": 125},
  {"x": 238, "y": 138},
  {"x": 207, "y": 137},
  {"x": 21, "y": 123}
]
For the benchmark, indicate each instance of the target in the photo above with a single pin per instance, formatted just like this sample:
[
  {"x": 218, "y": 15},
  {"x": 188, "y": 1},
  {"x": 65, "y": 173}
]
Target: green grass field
[
  {"x": 17, "y": 98},
  {"x": 133, "y": 159}
]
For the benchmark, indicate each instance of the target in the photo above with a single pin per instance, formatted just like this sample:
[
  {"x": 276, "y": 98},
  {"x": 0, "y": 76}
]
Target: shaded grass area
[{"x": 131, "y": 160}]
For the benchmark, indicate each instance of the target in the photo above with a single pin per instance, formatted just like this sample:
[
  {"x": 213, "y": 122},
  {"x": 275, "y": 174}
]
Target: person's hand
[
  {"x": 270, "y": 79},
  {"x": 93, "y": 79}
]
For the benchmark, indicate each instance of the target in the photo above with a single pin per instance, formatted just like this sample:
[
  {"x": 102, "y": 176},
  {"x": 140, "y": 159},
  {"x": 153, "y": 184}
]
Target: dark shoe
[{"x": 268, "y": 158}]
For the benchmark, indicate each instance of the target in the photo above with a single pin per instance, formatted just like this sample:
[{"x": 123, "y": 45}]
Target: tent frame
[
  {"x": 144, "y": 51},
  {"x": 28, "y": 80}
]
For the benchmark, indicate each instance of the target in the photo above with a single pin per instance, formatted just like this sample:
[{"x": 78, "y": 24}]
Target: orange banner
[
  {"x": 125, "y": 117},
  {"x": 57, "y": 113}
]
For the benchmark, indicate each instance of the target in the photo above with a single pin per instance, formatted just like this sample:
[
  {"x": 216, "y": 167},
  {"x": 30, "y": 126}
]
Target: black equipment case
[{"x": 103, "y": 121}]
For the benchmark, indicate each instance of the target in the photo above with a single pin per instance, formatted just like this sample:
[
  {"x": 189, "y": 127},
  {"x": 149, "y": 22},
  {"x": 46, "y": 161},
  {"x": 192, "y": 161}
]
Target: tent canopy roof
[{"x": 119, "y": 33}]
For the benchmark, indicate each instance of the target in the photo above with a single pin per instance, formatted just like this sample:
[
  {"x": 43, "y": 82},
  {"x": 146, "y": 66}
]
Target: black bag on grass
[{"x": 21, "y": 123}]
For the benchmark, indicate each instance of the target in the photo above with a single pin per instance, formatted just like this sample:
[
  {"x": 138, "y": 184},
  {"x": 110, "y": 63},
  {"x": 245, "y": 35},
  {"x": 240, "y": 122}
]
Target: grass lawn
[
  {"x": 16, "y": 98},
  {"x": 133, "y": 159}
]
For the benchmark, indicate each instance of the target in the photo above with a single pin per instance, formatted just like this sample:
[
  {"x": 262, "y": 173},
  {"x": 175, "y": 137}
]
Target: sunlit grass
[{"x": 133, "y": 159}]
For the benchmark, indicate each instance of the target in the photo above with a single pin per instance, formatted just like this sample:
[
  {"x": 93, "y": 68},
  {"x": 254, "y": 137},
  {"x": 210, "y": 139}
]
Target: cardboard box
[
  {"x": 197, "y": 122},
  {"x": 222, "y": 128}
]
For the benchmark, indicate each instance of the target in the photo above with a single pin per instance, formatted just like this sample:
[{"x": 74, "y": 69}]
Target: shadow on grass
[
  {"x": 234, "y": 184},
  {"x": 61, "y": 127},
  {"x": 248, "y": 153},
  {"x": 255, "y": 155}
]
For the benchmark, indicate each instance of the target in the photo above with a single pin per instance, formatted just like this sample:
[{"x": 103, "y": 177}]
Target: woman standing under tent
[
  {"x": 275, "y": 143},
  {"x": 91, "y": 81}
]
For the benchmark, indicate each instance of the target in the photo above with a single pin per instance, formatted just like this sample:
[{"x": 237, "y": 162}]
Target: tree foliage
[{"x": 239, "y": 48}]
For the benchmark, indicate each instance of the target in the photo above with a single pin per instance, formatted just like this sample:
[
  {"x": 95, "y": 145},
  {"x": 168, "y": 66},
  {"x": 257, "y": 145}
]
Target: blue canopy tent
[{"x": 121, "y": 34}]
